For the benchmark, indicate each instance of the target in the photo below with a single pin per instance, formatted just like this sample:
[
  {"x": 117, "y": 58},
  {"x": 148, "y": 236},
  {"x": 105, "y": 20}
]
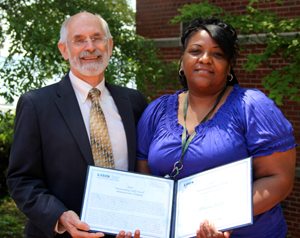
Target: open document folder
[{"x": 117, "y": 200}]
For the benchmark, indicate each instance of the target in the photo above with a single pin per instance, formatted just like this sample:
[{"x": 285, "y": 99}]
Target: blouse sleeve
[
  {"x": 267, "y": 130},
  {"x": 147, "y": 125}
]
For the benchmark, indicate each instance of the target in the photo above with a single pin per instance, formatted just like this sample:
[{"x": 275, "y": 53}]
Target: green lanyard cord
[{"x": 186, "y": 142}]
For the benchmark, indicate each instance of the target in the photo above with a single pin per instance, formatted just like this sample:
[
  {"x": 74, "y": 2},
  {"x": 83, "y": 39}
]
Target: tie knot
[{"x": 94, "y": 92}]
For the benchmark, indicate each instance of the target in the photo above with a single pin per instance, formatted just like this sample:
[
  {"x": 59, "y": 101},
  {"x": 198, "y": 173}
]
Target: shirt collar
[{"x": 82, "y": 88}]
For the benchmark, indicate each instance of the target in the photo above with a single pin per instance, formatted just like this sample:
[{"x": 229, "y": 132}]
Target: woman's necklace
[{"x": 186, "y": 142}]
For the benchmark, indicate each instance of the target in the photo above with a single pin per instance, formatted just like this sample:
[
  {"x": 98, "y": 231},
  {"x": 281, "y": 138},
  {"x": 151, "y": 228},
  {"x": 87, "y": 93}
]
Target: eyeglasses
[{"x": 97, "y": 41}]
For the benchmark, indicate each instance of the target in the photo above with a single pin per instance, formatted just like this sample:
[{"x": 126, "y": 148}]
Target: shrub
[{"x": 6, "y": 135}]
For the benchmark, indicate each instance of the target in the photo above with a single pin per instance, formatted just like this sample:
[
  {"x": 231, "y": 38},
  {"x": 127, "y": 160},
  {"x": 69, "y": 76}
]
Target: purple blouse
[{"x": 247, "y": 124}]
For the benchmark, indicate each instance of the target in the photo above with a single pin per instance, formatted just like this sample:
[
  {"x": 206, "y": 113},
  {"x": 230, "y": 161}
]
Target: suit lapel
[
  {"x": 68, "y": 106},
  {"x": 125, "y": 110}
]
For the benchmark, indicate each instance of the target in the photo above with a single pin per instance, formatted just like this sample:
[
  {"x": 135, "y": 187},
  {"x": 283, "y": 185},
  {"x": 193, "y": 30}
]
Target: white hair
[{"x": 64, "y": 29}]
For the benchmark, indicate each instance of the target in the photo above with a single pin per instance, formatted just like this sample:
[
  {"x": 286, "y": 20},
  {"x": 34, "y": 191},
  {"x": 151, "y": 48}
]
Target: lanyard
[{"x": 186, "y": 142}]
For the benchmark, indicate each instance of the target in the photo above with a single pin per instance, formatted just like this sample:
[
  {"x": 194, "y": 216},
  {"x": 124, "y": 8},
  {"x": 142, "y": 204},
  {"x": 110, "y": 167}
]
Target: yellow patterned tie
[{"x": 100, "y": 141}]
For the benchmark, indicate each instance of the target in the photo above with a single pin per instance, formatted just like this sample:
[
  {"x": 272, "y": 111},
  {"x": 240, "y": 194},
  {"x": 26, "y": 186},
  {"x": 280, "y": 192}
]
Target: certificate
[{"x": 117, "y": 200}]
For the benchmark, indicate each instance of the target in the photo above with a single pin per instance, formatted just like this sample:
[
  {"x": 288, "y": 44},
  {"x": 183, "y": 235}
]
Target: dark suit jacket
[{"x": 51, "y": 151}]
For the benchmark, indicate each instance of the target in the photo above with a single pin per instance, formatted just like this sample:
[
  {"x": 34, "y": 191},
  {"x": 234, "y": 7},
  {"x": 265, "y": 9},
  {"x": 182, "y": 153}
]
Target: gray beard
[{"x": 93, "y": 68}]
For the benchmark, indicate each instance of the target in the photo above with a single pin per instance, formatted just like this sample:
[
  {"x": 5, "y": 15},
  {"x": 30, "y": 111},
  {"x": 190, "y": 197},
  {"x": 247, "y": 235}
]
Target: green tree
[
  {"x": 282, "y": 81},
  {"x": 33, "y": 29}
]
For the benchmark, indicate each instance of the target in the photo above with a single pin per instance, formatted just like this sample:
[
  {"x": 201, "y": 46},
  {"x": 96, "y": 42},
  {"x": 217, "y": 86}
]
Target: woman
[{"x": 224, "y": 123}]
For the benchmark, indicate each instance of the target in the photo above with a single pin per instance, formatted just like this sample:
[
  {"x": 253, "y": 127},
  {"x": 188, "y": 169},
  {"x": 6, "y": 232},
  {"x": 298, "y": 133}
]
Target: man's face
[{"x": 87, "y": 58}]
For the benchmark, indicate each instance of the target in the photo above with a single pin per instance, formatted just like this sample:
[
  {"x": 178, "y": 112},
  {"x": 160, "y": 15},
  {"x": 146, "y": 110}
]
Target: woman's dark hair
[{"x": 223, "y": 34}]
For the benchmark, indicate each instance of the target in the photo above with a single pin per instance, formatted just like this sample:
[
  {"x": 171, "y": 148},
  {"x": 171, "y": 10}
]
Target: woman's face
[{"x": 204, "y": 64}]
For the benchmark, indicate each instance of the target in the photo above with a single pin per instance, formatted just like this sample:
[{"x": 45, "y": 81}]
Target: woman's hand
[
  {"x": 122, "y": 234},
  {"x": 208, "y": 229}
]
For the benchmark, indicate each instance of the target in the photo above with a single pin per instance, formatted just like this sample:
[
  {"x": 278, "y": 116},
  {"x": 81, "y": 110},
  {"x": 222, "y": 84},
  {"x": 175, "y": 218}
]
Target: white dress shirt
[{"x": 113, "y": 119}]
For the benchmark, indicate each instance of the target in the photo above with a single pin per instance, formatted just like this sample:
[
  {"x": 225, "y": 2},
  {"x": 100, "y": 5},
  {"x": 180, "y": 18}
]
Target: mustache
[{"x": 94, "y": 53}]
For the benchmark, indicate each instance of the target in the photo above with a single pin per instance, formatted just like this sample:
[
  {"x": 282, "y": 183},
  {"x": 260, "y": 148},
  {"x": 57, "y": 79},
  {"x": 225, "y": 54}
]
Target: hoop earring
[
  {"x": 181, "y": 73},
  {"x": 231, "y": 78}
]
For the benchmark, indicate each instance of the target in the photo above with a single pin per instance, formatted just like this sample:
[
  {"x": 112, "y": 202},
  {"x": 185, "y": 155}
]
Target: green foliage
[
  {"x": 7, "y": 120},
  {"x": 12, "y": 220},
  {"x": 189, "y": 12},
  {"x": 268, "y": 27},
  {"x": 152, "y": 70},
  {"x": 33, "y": 29},
  {"x": 6, "y": 135},
  {"x": 253, "y": 1}
]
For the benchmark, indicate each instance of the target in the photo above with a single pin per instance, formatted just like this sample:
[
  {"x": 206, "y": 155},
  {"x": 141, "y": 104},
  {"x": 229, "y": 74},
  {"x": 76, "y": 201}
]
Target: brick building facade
[{"x": 152, "y": 17}]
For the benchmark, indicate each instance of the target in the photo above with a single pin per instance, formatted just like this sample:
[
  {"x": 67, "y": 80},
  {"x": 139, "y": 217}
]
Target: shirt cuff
[{"x": 59, "y": 228}]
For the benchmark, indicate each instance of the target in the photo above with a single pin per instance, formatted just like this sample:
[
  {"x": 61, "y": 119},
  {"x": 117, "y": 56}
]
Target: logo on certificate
[{"x": 188, "y": 183}]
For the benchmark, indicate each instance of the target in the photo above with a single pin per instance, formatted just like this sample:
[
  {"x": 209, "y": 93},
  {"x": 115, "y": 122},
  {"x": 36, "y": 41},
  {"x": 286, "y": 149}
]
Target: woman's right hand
[
  {"x": 208, "y": 229},
  {"x": 123, "y": 234}
]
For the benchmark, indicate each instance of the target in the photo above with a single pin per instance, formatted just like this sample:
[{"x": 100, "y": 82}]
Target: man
[{"x": 52, "y": 150}]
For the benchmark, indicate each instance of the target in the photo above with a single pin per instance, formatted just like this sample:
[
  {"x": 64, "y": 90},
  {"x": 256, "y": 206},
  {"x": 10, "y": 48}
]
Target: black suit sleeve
[
  {"x": 139, "y": 104},
  {"x": 25, "y": 176}
]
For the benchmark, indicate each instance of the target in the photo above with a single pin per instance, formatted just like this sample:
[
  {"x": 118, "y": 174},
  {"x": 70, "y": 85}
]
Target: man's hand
[
  {"x": 128, "y": 234},
  {"x": 208, "y": 230},
  {"x": 75, "y": 227}
]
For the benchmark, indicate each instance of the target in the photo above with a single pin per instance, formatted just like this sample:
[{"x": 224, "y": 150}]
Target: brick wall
[{"x": 152, "y": 18}]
